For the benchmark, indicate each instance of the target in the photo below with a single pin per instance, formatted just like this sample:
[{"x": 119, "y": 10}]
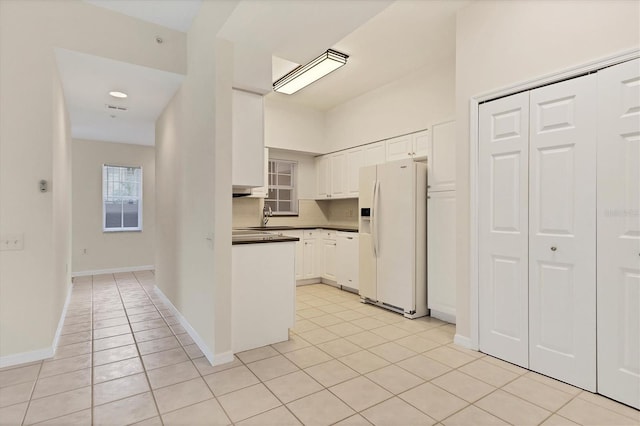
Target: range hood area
[{"x": 239, "y": 191}]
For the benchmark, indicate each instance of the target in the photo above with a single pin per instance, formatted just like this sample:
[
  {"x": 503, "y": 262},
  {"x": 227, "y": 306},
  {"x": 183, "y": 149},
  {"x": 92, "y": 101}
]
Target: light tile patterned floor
[{"x": 123, "y": 358}]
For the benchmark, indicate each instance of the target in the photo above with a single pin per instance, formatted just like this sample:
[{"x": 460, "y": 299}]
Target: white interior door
[
  {"x": 619, "y": 232},
  {"x": 562, "y": 231},
  {"x": 396, "y": 234},
  {"x": 503, "y": 228}
]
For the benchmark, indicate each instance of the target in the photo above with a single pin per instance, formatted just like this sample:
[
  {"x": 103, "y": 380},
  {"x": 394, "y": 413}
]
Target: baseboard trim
[
  {"x": 44, "y": 353},
  {"x": 213, "y": 359},
  {"x": 63, "y": 315},
  {"x": 113, "y": 270},
  {"x": 444, "y": 316},
  {"x": 465, "y": 342},
  {"x": 25, "y": 357}
]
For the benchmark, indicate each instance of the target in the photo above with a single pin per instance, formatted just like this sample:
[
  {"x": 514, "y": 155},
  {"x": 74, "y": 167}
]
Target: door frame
[{"x": 472, "y": 341}]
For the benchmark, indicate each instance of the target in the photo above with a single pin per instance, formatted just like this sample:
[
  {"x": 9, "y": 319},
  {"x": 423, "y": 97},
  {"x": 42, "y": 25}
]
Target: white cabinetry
[
  {"x": 441, "y": 160},
  {"x": 323, "y": 177},
  {"x": 311, "y": 255},
  {"x": 373, "y": 153},
  {"x": 247, "y": 140},
  {"x": 337, "y": 167},
  {"x": 441, "y": 255},
  {"x": 299, "y": 251},
  {"x": 263, "y": 191},
  {"x": 399, "y": 148},
  {"x": 347, "y": 260},
  {"x": 414, "y": 145},
  {"x": 355, "y": 159},
  {"x": 327, "y": 259}
]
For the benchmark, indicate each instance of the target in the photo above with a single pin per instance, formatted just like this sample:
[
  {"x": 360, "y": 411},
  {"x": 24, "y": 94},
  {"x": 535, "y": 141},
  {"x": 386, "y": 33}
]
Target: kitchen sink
[{"x": 266, "y": 228}]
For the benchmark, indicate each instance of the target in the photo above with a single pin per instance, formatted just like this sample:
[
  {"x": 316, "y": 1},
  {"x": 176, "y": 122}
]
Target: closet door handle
[{"x": 554, "y": 248}]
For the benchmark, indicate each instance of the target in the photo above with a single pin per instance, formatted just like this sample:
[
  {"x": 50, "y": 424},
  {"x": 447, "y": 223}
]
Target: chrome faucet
[{"x": 266, "y": 214}]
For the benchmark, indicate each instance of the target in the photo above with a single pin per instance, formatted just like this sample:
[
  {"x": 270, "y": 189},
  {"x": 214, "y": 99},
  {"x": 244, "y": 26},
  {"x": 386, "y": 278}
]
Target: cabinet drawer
[
  {"x": 328, "y": 234},
  {"x": 313, "y": 233}
]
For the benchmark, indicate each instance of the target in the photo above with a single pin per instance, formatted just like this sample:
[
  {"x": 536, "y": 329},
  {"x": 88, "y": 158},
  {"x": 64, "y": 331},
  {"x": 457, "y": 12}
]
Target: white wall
[
  {"x": 33, "y": 281},
  {"x": 415, "y": 102},
  {"x": 502, "y": 43},
  {"x": 193, "y": 189},
  {"x": 109, "y": 250},
  {"x": 293, "y": 127}
]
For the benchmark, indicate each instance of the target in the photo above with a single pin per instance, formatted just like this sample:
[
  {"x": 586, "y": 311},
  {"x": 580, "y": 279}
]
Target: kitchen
[{"x": 193, "y": 238}]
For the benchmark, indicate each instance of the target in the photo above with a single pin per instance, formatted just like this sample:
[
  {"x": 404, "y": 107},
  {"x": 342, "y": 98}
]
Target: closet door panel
[
  {"x": 503, "y": 228},
  {"x": 619, "y": 232},
  {"x": 562, "y": 231}
]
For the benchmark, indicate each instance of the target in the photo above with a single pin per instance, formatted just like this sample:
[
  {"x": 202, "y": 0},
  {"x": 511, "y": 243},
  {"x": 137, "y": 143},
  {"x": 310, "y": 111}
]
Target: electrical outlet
[{"x": 11, "y": 242}]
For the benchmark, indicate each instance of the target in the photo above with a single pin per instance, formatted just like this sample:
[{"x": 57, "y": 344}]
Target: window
[
  {"x": 121, "y": 198},
  {"x": 282, "y": 197}
]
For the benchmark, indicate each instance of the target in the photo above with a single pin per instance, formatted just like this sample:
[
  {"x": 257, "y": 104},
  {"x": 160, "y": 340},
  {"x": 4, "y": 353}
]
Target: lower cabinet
[
  {"x": 328, "y": 255},
  {"x": 310, "y": 255},
  {"x": 347, "y": 268},
  {"x": 299, "y": 251},
  {"x": 327, "y": 259}
]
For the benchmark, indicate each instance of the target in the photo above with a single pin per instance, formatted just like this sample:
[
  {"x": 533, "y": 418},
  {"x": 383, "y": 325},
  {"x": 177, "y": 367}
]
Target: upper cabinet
[
  {"x": 399, "y": 148},
  {"x": 414, "y": 145},
  {"x": 247, "y": 140},
  {"x": 442, "y": 157},
  {"x": 373, "y": 153}
]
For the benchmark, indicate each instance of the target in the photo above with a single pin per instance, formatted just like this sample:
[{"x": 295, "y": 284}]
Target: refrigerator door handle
[{"x": 374, "y": 228}]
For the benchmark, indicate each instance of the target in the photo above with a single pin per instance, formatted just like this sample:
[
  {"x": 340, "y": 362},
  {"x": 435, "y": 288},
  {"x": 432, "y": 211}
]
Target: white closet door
[
  {"x": 619, "y": 232},
  {"x": 503, "y": 228},
  {"x": 562, "y": 231}
]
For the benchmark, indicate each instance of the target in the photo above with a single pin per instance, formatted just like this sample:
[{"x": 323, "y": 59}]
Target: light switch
[{"x": 11, "y": 242}]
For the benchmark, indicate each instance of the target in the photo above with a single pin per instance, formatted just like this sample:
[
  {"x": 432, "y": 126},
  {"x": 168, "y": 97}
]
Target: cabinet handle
[
  {"x": 554, "y": 248},
  {"x": 349, "y": 238}
]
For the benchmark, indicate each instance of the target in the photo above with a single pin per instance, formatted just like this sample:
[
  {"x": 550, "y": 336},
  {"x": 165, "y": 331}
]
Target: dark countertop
[
  {"x": 290, "y": 228},
  {"x": 261, "y": 238}
]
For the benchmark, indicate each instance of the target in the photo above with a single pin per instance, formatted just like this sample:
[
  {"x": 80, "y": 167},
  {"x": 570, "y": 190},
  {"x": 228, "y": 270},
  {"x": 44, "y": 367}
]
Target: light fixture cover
[
  {"x": 306, "y": 74},
  {"x": 117, "y": 94}
]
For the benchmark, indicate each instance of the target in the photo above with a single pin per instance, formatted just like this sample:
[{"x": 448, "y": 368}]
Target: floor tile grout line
[
  {"x": 144, "y": 368},
  {"x": 35, "y": 383}
]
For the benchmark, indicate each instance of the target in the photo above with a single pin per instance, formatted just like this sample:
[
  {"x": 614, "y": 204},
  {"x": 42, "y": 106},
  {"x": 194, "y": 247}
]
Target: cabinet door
[
  {"x": 299, "y": 251},
  {"x": 503, "y": 228},
  {"x": 247, "y": 139},
  {"x": 322, "y": 177},
  {"x": 441, "y": 254},
  {"x": 329, "y": 259},
  {"x": 420, "y": 145},
  {"x": 562, "y": 231},
  {"x": 347, "y": 268},
  {"x": 338, "y": 164},
  {"x": 311, "y": 257},
  {"x": 399, "y": 148},
  {"x": 441, "y": 160},
  {"x": 263, "y": 191},
  {"x": 355, "y": 159},
  {"x": 618, "y": 219},
  {"x": 374, "y": 153}
]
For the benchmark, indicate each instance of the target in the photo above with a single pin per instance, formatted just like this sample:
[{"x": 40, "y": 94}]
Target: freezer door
[
  {"x": 396, "y": 230},
  {"x": 366, "y": 211}
]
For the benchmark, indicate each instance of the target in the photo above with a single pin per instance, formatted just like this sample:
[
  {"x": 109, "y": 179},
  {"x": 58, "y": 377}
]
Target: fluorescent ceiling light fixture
[
  {"x": 303, "y": 76},
  {"x": 119, "y": 95}
]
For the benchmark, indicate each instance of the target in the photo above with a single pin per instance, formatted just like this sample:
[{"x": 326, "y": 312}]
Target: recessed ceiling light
[{"x": 119, "y": 95}]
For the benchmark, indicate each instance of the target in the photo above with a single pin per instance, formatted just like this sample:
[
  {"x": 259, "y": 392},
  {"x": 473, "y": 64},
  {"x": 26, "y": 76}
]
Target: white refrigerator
[{"x": 393, "y": 236}]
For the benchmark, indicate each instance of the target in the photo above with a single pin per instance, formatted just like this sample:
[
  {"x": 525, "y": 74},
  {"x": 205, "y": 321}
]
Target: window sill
[
  {"x": 285, "y": 214},
  {"x": 110, "y": 231}
]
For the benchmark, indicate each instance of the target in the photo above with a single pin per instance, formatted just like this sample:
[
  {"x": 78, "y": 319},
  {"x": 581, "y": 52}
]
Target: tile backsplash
[{"x": 248, "y": 212}]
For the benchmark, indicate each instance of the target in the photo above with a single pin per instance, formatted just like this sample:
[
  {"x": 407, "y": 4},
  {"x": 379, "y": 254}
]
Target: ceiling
[
  {"x": 87, "y": 81},
  {"x": 174, "y": 14},
  {"x": 385, "y": 40}
]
